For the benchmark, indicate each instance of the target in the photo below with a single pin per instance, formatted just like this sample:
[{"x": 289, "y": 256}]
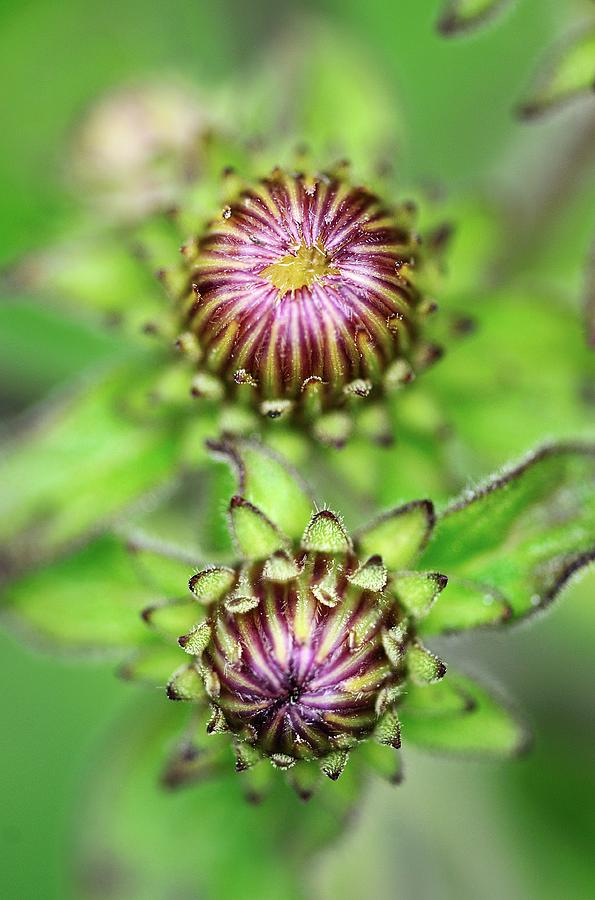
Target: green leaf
[
  {"x": 80, "y": 464},
  {"x": 520, "y": 537},
  {"x": 243, "y": 597},
  {"x": 466, "y": 604},
  {"x": 341, "y": 103},
  {"x": 197, "y": 640},
  {"x": 172, "y": 618},
  {"x": 388, "y": 730},
  {"x": 217, "y": 840},
  {"x": 255, "y": 535},
  {"x": 88, "y": 602},
  {"x": 266, "y": 480},
  {"x": 479, "y": 727},
  {"x": 447, "y": 697},
  {"x": 246, "y": 755},
  {"x": 383, "y": 759},
  {"x": 463, "y": 15},
  {"x": 400, "y": 535},
  {"x": 163, "y": 567},
  {"x": 333, "y": 764},
  {"x": 280, "y": 568},
  {"x": 568, "y": 74},
  {"x": 494, "y": 394},
  {"x": 152, "y": 665}
]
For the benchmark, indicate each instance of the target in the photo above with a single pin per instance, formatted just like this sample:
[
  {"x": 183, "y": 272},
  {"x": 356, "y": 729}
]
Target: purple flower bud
[
  {"x": 306, "y": 295},
  {"x": 300, "y": 672},
  {"x": 306, "y": 646}
]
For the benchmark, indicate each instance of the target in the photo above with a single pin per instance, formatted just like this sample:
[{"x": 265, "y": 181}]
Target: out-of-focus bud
[{"x": 136, "y": 146}]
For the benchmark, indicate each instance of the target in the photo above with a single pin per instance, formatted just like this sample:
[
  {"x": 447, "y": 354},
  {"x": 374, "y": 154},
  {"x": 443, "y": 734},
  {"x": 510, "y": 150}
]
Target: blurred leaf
[
  {"x": 550, "y": 802},
  {"x": 266, "y": 480},
  {"x": 172, "y": 618},
  {"x": 98, "y": 277},
  {"x": 196, "y": 755},
  {"x": 182, "y": 527},
  {"x": 555, "y": 252},
  {"x": 89, "y": 602},
  {"x": 446, "y": 698},
  {"x": 384, "y": 760},
  {"x": 204, "y": 840},
  {"x": 162, "y": 567},
  {"x": 590, "y": 298},
  {"x": 473, "y": 233},
  {"x": 569, "y": 73},
  {"x": 524, "y": 372},
  {"x": 325, "y": 90},
  {"x": 153, "y": 665},
  {"x": 463, "y": 15},
  {"x": 519, "y": 537},
  {"x": 40, "y": 348},
  {"x": 375, "y": 480},
  {"x": 355, "y": 112},
  {"x": 482, "y": 727},
  {"x": 80, "y": 463}
]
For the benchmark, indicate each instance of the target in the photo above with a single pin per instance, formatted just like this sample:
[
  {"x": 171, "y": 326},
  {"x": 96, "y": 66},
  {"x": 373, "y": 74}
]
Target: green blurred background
[{"x": 454, "y": 829}]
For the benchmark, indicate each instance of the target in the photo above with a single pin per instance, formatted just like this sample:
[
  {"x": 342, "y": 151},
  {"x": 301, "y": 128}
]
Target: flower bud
[
  {"x": 305, "y": 295},
  {"x": 133, "y": 148},
  {"x": 307, "y": 643}
]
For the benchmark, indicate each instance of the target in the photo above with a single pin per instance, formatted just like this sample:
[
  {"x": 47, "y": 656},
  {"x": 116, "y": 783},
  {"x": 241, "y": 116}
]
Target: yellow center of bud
[{"x": 303, "y": 268}]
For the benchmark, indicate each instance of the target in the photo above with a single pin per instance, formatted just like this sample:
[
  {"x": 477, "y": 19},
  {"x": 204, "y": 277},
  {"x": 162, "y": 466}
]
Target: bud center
[
  {"x": 294, "y": 689},
  {"x": 303, "y": 268}
]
